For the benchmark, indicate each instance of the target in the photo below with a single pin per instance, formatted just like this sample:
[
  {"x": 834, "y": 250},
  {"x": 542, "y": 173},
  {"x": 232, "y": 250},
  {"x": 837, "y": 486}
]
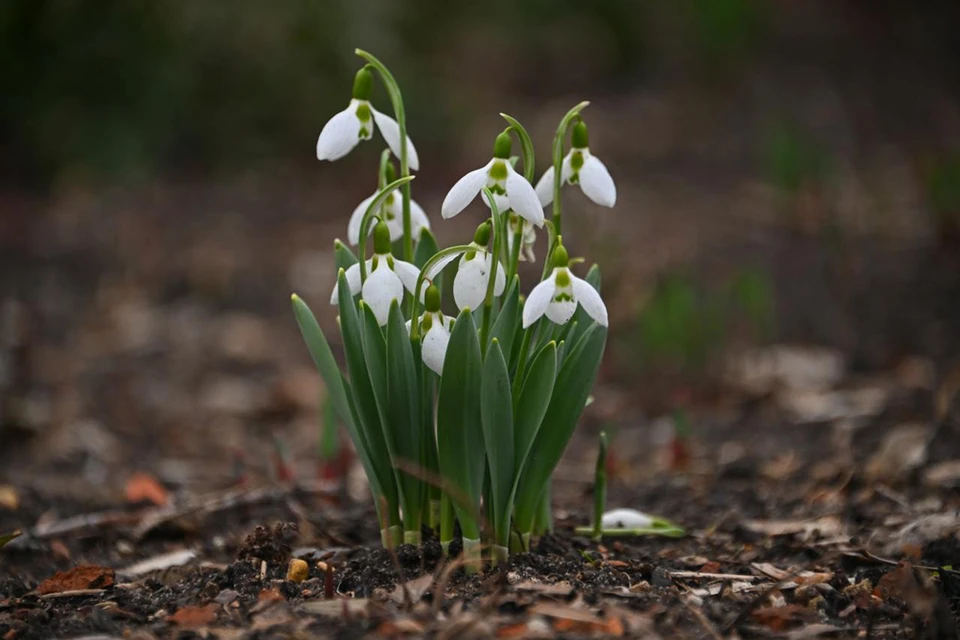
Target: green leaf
[
  {"x": 364, "y": 400},
  {"x": 343, "y": 256},
  {"x": 496, "y": 416},
  {"x": 508, "y": 318},
  {"x": 570, "y": 393},
  {"x": 459, "y": 429},
  {"x": 7, "y": 537},
  {"x": 533, "y": 401},
  {"x": 403, "y": 392},
  {"x": 426, "y": 248}
]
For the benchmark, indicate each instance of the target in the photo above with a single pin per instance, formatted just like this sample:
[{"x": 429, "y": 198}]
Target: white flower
[
  {"x": 583, "y": 168},
  {"x": 560, "y": 293},
  {"x": 357, "y": 122},
  {"x": 392, "y": 213},
  {"x": 502, "y": 179},
  {"x": 435, "y": 329},
  {"x": 473, "y": 273},
  {"x": 528, "y": 236},
  {"x": 386, "y": 278}
]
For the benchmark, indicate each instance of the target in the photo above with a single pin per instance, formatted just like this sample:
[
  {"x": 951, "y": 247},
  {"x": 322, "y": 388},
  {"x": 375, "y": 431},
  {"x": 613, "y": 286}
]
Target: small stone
[{"x": 298, "y": 570}]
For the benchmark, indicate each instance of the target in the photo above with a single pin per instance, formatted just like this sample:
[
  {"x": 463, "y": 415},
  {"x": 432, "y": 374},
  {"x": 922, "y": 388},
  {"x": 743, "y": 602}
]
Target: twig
[
  {"x": 702, "y": 619},
  {"x": 713, "y": 576},
  {"x": 72, "y": 593}
]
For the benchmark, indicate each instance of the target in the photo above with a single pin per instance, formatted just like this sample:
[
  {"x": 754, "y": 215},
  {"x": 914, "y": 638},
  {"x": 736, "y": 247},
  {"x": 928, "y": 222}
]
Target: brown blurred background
[{"x": 788, "y": 172}]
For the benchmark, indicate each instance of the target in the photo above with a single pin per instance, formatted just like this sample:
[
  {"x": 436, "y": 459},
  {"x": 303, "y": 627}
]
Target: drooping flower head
[
  {"x": 509, "y": 187},
  {"x": 435, "y": 328},
  {"x": 357, "y": 122},
  {"x": 386, "y": 277},
  {"x": 583, "y": 168},
  {"x": 528, "y": 236},
  {"x": 391, "y": 212},
  {"x": 473, "y": 272},
  {"x": 560, "y": 293}
]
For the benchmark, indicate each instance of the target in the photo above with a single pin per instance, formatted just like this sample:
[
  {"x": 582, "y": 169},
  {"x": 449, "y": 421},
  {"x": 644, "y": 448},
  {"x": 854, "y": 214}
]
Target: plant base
[
  {"x": 472, "y": 556},
  {"x": 412, "y": 537}
]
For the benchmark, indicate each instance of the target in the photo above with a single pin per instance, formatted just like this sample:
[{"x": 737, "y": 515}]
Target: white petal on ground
[
  {"x": 596, "y": 182},
  {"x": 588, "y": 298},
  {"x": 382, "y": 287},
  {"x": 434, "y": 346},
  {"x": 539, "y": 298},
  {"x": 353, "y": 227},
  {"x": 339, "y": 135},
  {"x": 353, "y": 282},
  {"x": 523, "y": 199},
  {"x": 390, "y": 131},
  {"x": 464, "y": 191},
  {"x": 408, "y": 274},
  {"x": 626, "y": 519},
  {"x": 561, "y": 312}
]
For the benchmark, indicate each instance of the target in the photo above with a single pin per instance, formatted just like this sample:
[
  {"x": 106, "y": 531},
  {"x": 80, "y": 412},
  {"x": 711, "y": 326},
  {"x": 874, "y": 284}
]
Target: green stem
[
  {"x": 368, "y": 216},
  {"x": 600, "y": 488},
  {"x": 446, "y": 522},
  {"x": 543, "y": 520},
  {"x": 396, "y": 99},
  {"x": 526, "y": 148},
  {"x": 558, "y": 159},
  {"x": 382, "y": 177},
  {"x": 494, "y": 265},
  {"x": 514, "y": 261}
]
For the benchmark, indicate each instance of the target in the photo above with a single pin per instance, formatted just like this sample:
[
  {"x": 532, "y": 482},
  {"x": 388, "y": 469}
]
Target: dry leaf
[
  {"x": 9, "y": 499},
  {"x": 159, "y": 563},
  {"x": 87, "y": 576},
  {"x": 781, "y": 618},
  {"x": 827, "y": 526},
  {"x": 193, "y": 616},
  {"x": 142, "y": 487}
]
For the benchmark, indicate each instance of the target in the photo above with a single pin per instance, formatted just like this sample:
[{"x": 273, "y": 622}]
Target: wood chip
[{"x": 161, "y": 562}]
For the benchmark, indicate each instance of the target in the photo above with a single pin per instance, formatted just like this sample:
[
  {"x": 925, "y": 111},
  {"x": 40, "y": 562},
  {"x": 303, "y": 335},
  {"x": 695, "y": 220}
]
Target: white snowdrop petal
[
  {"x": 353, "y": 227},
  {"x": 353, "y": 282},
  {"x": 625, "y": 519},
  {"x": 418, "y": 219},
  {"x": 561, "y": 312},
  {"x": 537, "y": 301},
  {"x": 596, "y": 182},
  {"x": 464, "y": 191},
  {"x": 470, "y": 283},
  {"x": 408, "y": 274},
  {"x": 434, "y": 347},
  {"x": 523, "y": 199},
  {"x": 390, "y": 131},
  {"x": 544, "y": 187},
  {"x": 588, "y": 298},
  {"x": 339, "y": 135},
  {"x": 440, "y": 265},
  {"x": 565, "y": 169},
  {"x": 382, "y": 287},
  {"x": 501, "y": 283}
]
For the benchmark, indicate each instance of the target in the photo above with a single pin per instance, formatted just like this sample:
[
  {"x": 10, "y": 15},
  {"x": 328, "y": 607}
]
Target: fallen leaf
[
  {"x": 827, "y": 526},
  {"x": 902, "y": 450},
  {"x": 416, "y": 588},
  {"x": 7, "y": 537},
  {"x": 943, "y": 474},
  {"x": 143, "y": 487},
  {"x": 195, "y": 616},
  {"x": 87, "y": 576},
  {"x": 159, "y": 563},
  {"x": 781, "y": 618},
  {"x": 338, "y": 607},
  {"x": 399, "y": 627},
  {"x": 9, "y": 499}
]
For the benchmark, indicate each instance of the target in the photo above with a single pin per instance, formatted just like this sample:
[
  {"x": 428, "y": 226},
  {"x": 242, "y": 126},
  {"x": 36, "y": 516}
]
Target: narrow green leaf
[
  {"x": 496, "y": 416},
  {"x": 343, "y": 256},
  {"x": 459, "y": 429},
  {"x": 532, "y": 403},
  {"x": 569, "y": 398},
  {"x": 426, "y": 248},
  {"x": 364, "y": 400},
  {"x": 508, "y": 318},
  {"x": 403, "y": 392},
  {"x": 7, "y": 537}
]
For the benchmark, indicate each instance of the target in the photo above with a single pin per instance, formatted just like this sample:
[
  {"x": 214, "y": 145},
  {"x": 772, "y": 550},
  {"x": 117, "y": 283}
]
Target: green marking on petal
[
  {"x": 563, "y": 277},
  {"x": 576, "y": 161},
  {"x": 363, "y": 112},
  {"x": 498, "y": 172}
]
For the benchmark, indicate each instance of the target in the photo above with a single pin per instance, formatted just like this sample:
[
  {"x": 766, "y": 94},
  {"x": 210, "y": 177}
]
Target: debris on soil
[{"x": 86, "y": 576}]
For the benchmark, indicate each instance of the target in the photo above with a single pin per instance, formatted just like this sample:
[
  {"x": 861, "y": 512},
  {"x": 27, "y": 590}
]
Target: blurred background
[{"x": 788, "y": 174}]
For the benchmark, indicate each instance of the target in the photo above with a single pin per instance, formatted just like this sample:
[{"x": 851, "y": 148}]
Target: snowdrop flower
[
  {"x": 391, "y": 212},
  {"x": 435, "y": 329},
  {"x": 583, "y": 168},
  {"x": 502, "y": 179},
  {"x": 355, "y": 123},
  {"x": 559, "y": 295},
  {"x": 473, "y": 272},
  {"x": 386, "y": 277},
  {"x": 527, "y": 237}
]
